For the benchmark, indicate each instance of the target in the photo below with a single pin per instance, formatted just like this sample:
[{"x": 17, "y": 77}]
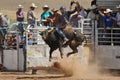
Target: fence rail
[{"x": 108, "y": 37}]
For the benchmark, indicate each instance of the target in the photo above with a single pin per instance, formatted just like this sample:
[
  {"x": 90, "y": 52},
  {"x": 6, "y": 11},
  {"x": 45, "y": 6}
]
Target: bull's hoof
[
  {"x": 62, "y": 56},
  {"x": 68, "y": 55},
  {"x": 34, "y": 71},
  {"x": 49, "y": 60},
  {"x": 85, "y": 45}
]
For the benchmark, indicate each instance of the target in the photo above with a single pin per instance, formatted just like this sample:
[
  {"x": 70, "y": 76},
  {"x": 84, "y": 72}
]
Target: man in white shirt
[
  {"x": 4, "y": 23},
  {"x": 31, "y": 15},
  {"x": 92, "y": 14}
]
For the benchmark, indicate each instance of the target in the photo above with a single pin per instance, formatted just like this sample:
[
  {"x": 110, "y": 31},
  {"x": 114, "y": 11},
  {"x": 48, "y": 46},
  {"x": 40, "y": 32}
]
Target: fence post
[
  {"x": 17, "y": 49},
  {"x": 112, "y": 37},
  {"x": 82, "y": 23}
]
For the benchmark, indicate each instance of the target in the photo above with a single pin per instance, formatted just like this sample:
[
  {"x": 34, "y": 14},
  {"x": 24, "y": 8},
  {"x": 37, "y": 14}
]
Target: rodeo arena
[{"x": 62, "y": 43}]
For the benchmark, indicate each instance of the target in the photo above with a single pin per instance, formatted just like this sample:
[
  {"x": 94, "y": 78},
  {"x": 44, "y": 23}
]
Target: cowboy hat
[
  {"x": 45, "y": 6},
  {"x": 20, "y": 6},
  {"x": 108, "y": 10},
  {"x": 118, "y": 6},
  {"x": 33, "y": 5},
  {"x": 93, "y": 7},
  {"x": 54, "y": 10},
  {"x": 62, "y": 8}
]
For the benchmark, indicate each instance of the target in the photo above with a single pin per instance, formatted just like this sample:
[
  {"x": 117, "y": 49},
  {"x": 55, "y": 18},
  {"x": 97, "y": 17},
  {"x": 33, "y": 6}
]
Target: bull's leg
[
  {"x": 50, "y": 56},
  {"x": 61, "y": 51},
  {"x": 74, "y": 48},
  {"x": 73, "y": 52},
  {"x": 66, "y": 44}
]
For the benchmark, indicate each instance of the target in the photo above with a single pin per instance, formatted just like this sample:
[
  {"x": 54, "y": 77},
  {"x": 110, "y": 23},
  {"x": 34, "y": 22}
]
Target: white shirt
[{"x": 91, "y": 15}]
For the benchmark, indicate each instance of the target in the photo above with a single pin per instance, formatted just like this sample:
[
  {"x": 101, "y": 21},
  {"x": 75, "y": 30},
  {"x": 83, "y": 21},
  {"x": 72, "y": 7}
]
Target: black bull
[{"x": 54, "y": 41}]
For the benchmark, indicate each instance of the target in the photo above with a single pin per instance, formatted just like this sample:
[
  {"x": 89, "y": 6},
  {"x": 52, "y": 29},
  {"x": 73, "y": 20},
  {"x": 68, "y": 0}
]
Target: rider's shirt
[{"x": 58, "y": 20}]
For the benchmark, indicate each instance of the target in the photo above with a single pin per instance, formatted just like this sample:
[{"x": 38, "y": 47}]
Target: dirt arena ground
[
  {"x": 62, "y": 74},
  {"x": 65, "y": 69}
]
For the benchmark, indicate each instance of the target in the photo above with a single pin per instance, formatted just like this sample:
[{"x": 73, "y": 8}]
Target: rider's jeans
[{"x": 60, "y": 32}]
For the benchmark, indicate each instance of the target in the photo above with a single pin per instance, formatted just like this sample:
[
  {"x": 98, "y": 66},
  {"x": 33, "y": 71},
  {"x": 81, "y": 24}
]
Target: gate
[
  {"x": 12, "y": 58},
  {"x": 108, "y": 48},
  {"x": 37, "y": 50}
]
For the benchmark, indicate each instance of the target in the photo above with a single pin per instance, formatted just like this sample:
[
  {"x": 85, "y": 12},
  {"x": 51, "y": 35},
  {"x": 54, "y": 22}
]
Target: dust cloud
[{"x": 73, "y": 67}]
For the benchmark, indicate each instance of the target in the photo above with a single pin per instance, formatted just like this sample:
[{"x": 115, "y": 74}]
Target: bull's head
[{"x": 45, "y": 33}]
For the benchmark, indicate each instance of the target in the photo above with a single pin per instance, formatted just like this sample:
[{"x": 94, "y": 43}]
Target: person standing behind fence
[
  {"x": 108, "y": 20},
  {"x": 93, "y": 2},
  {"x": 45, "y": 14},
  {"x": 92, "y": 13},
  {"x": 100, "y": 21},
  {"x": 108, "y": 24},
  {"x": 31, "y": 15},
  {"x": 100, "y": 17},
  {"x": 20, "y": 18},
  {"x": 20, "y": 14},
  {"x": 118, "y": 16},
  {"x": 66, "y": 14},
  {"x": 117, "y": 31},
  {"x": 4, "y": 23}
]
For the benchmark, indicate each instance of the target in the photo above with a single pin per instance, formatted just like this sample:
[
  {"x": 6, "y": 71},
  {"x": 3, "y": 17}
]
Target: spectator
[
  {"x": 82, "y": 12},
  {"x": 45, "y": 14},
  {"x": 66, "y": 14},
  {"x": 20, "y": 18},
  {"x": 93, "y": 2},
  {"x": 108, "y": 20},
  {"x": 74, "y": 20},
  {"x": 108, "y": 24},
  {"x": 20, "y": 14},
  {"x": 100, "y": 21},
  {"x": 92, "y": 13},
  {"x": 3, "y": 24},
  {"x": 31, "y": 15},
  {"x": 117, "y": 31},
  {"x": 100, "y": 17},
  {"x": 118, "y": 16}
]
